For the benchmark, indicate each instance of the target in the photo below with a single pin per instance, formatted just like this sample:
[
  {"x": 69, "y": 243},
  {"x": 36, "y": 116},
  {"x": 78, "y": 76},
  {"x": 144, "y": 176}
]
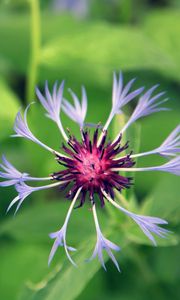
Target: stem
[{"x": 35, "y": 49}]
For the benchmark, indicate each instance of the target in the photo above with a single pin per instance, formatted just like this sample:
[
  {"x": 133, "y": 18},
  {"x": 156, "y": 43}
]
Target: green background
[{"x": 38, "y": 43}]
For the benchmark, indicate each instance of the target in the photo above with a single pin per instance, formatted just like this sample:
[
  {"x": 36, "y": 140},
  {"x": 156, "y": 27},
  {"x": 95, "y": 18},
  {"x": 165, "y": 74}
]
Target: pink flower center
[{"x": 90, "y": 165}]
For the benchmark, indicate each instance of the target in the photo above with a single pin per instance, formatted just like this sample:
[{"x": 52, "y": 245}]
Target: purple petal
[
  {"x": 53, "y": 251},
  {"x": 148, "y": 226},
  {"x": 8, "y": 183},
  {"x": 112, "y": 245},
  {"x": 77, "y": 113},
  {"x": 171, "y": 145},
  {"x": 16, "y": 199},
  {"x": 59, "y": 237},
  {"x": 146, "y": 106},
  {"x": 120, "y": 96},
  {"x": 173, "y": 166},
  {"x": 104, "y": 244},
  {"x": 51, "y": 103}
]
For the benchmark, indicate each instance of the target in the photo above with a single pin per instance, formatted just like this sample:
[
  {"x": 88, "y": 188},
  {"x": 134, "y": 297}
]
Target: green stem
[{"x": 35, "y": 49}]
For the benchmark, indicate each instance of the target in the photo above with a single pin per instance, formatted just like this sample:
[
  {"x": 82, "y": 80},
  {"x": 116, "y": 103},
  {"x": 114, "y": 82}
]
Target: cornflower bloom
[{"x": 94, "y": 165}]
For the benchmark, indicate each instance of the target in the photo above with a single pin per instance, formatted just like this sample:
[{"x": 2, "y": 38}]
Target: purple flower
[
  {"x": 22, "y": 129},
  {"x": 77, "y": 112},
  {"x": 93, "y": 165},
  {"x": 25, "y": 190},
  {"x": 52, "y": 104},
  {"x": 60, "y": 235},
  {"x": 103, "y": 244},
  {"x": 172, "y": 166},
  {"x": 147, "y": 105},
  {"x": 170, "y": 147},
  {"x": 13, "y": 176},
  {"x": 120, "y": 96},
  {"x": 78, "y": 7},
  {"x": 147, "y": 224},
  {"x": 10, "y": 173}
]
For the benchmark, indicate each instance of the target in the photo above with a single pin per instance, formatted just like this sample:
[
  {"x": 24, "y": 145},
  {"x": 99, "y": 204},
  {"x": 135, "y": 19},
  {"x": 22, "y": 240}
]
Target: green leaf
[
  {"x": 15, "y": 35},
  {"x": 69, "y": 282},
  {"x": 134, "y": 234},
  {"x": 19, "y": 263},
  {"x": 165, "y": 36},
  {"x": 9, "y": 108},
  {"x": 76, "y": 43},
  {"x": 36, "y": 222},
  {"x": 114, "y": 51},
  {"x": 33, "y": 225},
  {"x": 164, "y": 202}
]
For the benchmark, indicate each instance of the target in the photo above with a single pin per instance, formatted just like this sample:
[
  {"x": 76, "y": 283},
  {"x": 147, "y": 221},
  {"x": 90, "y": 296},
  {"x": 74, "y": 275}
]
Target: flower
[
  {"x": 78, "y": 8},
  {"x": 93, "y": 165},
  {"x": 77, "y": 112},
  {"x": 103, "y": 244}
]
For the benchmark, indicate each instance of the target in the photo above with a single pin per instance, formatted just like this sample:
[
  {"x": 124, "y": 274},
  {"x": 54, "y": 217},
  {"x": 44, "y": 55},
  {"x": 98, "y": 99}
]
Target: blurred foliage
[{"x": 142, "y": 39}]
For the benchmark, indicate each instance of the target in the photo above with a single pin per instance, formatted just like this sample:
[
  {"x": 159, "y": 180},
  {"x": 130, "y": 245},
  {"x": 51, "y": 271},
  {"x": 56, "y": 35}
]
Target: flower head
[
  {"x": 90, "y": 166},
  {"x": 94, "y": 165}
]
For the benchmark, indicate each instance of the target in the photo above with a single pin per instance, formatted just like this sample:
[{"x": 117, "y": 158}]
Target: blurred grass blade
[
  {"x": 9, "y": 107},
  {"x": 35, "y": 49}
]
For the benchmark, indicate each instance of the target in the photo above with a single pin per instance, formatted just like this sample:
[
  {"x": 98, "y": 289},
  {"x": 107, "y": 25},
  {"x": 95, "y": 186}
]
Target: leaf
[
  {"x": 164, "y": 201},
  {"x": 14, "y": 31},
  {"x": 68, "y": 282},
  {"x": 165, "y": 36},
  {"x": 9, "y": 108},
  {"x": 113, "y": 51},
  {"x": 68, "y": 44},
  {"x": 154, "y": 130},
  {"x": 36, "y": 222},
  {"x": 20, "y": 262},
  {"x": 134, "y": 234},
  {"x": 68, "y": 276}
]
